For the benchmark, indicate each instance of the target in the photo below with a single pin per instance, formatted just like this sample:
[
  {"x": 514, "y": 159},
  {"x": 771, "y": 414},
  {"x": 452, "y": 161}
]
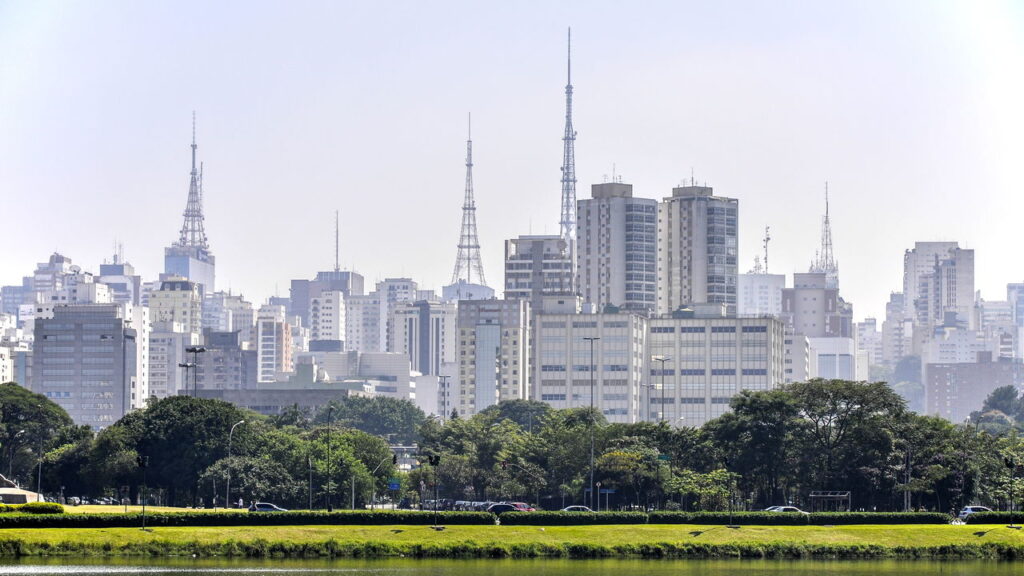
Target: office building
[
  {"x": 178, "y": 300},
  {"x": 425, "y": 331},
  {"x": 616, "y": 248},
  {"x": 494, "y": 353},
  {"x": 760, "y": 294},
  {"x": 537, "y": 265},
  {"x": 698, "y": 243}
]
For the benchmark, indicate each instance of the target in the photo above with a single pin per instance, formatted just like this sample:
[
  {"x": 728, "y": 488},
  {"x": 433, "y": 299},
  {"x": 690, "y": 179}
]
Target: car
[
  {"x": 501, "y": 508},
  {"x": 265, "y": 507},
  {"x": 576, "y": 509},
  {"x": 968, "y": 510},
  {"x": 523, "y": 507},
  {"x": 784, "y": 509}
]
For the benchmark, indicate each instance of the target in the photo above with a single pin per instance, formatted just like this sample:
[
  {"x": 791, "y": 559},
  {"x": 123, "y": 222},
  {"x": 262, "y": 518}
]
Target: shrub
[
  {"x": 571, "y": 518},
  {"x": 796, "y": 519},
  {"x": 354, "y": 518},
  {"x": 38, "y": 508},
  {"x": 994, "y": 518}
]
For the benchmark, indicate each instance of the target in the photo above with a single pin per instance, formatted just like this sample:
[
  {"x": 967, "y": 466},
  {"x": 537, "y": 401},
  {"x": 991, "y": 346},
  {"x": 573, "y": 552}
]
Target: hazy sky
[{"x": 913, "y": 111}]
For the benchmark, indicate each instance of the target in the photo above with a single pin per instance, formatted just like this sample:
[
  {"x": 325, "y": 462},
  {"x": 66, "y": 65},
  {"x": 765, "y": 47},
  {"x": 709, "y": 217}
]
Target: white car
[
  {"x": 576, "y": 509},
  {"x": 968, "y": 510},
  {"x": 784, "y": 509}
]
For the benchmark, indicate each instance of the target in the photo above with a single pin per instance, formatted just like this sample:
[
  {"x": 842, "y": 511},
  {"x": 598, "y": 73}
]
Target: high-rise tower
[
  {"x": 190, "y": 256},
  {"x": 824, "y": 261},
  {"x": 468, "y": 263},
  {"x": 567, "y": 224}
]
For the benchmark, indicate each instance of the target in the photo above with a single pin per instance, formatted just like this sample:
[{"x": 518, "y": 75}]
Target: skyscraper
[
  {"x": 616, "y": 248},
  {"x": 190, "y": 256},
  {"x": 697, "y": 249}
]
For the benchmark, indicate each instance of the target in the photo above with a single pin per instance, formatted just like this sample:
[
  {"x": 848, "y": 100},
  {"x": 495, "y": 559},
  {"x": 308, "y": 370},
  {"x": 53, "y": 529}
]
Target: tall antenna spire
[
  {"x": 567, "y": 223},
  {"x": 825, "y": 261},
  {"x": 337, "y": 266},
  {"x": 467, "y": 262},
  {"x": 192, "y": 231}
]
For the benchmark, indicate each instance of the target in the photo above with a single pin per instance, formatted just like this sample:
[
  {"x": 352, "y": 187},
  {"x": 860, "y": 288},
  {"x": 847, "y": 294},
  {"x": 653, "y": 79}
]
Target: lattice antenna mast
[
  {"x": 825, "y": 259},
  {"x": 192, "y": 231},
  {"x": 337, "y": 265},
  {"x": 467, "y": 262},
  {"x": 767, "y": 238},
  {"x": 567, "y": 223}
]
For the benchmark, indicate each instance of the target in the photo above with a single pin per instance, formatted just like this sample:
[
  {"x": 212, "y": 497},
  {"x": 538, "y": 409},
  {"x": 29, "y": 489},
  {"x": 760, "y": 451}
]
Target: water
[{"x": 398, "y": 567}]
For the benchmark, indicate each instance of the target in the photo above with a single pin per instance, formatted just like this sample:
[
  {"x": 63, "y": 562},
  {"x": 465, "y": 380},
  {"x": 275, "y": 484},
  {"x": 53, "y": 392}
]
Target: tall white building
[
  {"x": 425, "y": 331},
  {"x": 494, "y": 353},
  {"x": 565, "y": 377},
  {"x": 617, "y": 246},
  {"x": 760, "y": 294},
  {"x": 869, "y": 340},
  {"x": 938, "y": 283},
  {"x": 327, "y": 316},
  {"x": 227, "y": 312},
  {"x": 273, "y": 343},
  {"x": 363, "y": 323},
  {"x": 178, "y": 300},
  {"x": 698, "y": 243}
]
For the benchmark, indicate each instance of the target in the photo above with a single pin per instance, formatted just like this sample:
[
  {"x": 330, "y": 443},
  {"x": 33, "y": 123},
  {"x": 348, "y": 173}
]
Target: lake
[{"x": 399, "y": 567}]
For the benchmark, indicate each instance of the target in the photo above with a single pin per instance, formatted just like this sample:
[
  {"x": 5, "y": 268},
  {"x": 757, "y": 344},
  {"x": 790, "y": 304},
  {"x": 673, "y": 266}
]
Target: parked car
[
  {"x": 501, "y": 508},
  {"x": 784, "y": 509},
  {"x": 576, "y": 509},
  {"x": 265, "y": 507},
  {"x": 523, "y": 507},
  {"x": 968, "y": 510}
]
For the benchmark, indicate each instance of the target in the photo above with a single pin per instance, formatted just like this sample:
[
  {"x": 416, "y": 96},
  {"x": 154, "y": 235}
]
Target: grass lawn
[{"x": 548, "y": 540}]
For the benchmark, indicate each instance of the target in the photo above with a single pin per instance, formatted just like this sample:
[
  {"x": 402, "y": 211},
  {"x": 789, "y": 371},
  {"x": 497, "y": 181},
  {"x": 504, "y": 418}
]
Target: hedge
[
  {"x": 355, "y": 518},
  {"x": 571, "y": 518},
  {"x": 797, "y": 519},
  {"x": 995, "y": 518},
  {"x": 35, "y": 508}
]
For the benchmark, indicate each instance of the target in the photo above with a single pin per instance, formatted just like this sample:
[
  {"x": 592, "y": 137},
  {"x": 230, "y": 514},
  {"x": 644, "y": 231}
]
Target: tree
[
  {"x": 30, "y": 425},
  {"x": 526, "y": 413},
  {"x": 848, "y": 427},
  {"x": 392, "y": 418},
  {"x": 252, "y": 480}
]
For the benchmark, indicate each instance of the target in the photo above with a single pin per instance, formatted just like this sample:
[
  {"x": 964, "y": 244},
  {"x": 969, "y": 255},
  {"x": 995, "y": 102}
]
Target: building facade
[{"x": 494, "y": 353}]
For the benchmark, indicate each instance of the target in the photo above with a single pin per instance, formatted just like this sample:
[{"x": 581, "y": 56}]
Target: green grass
[{"x": 862, "y": 541}]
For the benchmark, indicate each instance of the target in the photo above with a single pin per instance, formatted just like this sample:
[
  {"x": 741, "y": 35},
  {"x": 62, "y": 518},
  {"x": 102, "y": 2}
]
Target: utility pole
[{"x": 593, "y": 423}]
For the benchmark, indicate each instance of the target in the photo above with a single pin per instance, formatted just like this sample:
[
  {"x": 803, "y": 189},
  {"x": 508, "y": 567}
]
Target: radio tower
[
  {"x": 568, "y": 222},
  {"x": 468, "y": 263},
  {"x": 825, "y": 261},
  {"x": 192, "y": 233}
]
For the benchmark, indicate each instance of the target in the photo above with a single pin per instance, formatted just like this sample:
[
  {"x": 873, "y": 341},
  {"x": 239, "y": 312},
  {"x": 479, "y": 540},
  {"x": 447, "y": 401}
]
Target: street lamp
[
  {"x": 10, "y": 459},
  {"x": 330, "y": 410},
  {"x": 662, "y": 360},
  {"x": 592, "y": 339},
  {"x": 373, "y": 482},
  {"x": 186, "y": 366},
  {"x": 227, "y": 490},
  {"x": 195, "y": 351}
]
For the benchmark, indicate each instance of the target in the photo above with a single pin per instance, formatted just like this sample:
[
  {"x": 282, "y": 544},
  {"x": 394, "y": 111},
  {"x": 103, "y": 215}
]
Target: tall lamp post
[
  {"x": 591, "y": 339},
  {"x": 227, "y": 490},
  {"x": 10, "y": 452},
  {"x": 661, "y": 369},
  {"x": 187, "y": 366},
  {"x": 330, "y": 410},
  {"x": 195, "y": 351}
]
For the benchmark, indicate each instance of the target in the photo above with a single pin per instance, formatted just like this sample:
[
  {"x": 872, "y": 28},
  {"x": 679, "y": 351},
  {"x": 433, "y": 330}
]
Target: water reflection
[{"x": 402, "y": 567}]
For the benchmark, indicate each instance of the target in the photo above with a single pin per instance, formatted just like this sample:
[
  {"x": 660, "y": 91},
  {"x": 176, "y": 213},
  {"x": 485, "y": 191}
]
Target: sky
[{"x": 911, "y": 111}]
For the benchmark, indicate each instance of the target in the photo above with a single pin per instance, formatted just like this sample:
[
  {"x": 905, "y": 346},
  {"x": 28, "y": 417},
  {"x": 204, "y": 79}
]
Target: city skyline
[{"x": 271, "y": 176}]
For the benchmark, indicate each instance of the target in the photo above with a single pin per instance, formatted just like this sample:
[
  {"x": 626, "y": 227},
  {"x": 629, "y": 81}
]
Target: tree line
[{"x": 773, "y": 447}]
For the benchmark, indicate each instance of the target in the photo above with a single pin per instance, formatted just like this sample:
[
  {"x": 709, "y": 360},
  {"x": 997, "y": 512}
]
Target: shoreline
[{"x": 925, "y": 542}]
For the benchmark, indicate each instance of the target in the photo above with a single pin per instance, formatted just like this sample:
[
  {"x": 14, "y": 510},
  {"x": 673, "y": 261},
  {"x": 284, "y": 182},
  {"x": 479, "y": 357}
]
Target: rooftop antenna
[
  {"x": 337, "y": 266},
  {"x": 767, "y": 238},
  {"x": 468, "y": 261},
  {"x": 693, "y": 181}
]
